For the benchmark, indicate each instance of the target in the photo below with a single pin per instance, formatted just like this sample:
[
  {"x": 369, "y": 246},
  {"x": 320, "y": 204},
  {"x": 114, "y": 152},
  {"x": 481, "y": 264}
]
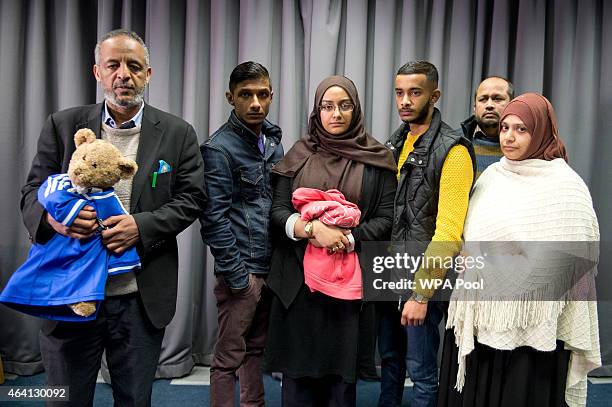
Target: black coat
[{"x": 311, "y": 334}]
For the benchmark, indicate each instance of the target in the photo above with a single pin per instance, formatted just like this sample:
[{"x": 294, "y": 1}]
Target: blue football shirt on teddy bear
[{"x": 66, "y": 270}]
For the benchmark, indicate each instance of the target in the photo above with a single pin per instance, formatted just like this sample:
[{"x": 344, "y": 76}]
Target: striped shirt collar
[{"x": 481, "y": 135}]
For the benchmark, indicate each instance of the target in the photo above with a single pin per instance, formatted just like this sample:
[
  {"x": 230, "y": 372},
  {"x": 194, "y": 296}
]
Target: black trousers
[
  {"x": 72, "y": 353},
  {"x": 328, "y": 391}
]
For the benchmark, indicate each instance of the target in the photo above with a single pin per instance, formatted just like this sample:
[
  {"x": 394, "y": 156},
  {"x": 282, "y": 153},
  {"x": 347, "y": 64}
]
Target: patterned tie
[{"x": 260, "y": 144}]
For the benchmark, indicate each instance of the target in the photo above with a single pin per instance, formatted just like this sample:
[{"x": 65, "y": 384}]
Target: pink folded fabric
[{"x": 335, "y": 274}]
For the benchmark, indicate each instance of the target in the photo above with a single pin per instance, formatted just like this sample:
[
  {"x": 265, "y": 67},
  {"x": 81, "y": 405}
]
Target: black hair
[
  {"x": 510, "y": 86},
  {"x": 248, "y": 71},
  {"x": 420, "y": 67}
]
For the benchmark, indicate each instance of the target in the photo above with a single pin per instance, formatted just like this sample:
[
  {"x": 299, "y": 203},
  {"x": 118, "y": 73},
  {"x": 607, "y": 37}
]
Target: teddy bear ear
[
  {"x": 84, "y": 136},
  {"x": 128, "y": 168}
]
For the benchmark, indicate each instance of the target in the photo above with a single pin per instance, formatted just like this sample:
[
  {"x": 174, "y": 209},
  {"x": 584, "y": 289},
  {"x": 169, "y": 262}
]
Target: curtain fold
[{"x": 558, "y": 47}]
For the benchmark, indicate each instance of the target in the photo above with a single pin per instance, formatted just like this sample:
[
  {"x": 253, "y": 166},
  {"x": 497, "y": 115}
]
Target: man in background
[{"x": 482, "y": 128}]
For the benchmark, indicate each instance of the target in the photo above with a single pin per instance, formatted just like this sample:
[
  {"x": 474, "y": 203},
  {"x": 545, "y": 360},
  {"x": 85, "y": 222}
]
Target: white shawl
[{"x": 538, "y": 201}]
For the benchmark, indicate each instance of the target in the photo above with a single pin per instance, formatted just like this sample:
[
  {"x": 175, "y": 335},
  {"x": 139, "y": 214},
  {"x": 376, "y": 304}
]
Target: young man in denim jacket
[{"x": 235, "y": 221}]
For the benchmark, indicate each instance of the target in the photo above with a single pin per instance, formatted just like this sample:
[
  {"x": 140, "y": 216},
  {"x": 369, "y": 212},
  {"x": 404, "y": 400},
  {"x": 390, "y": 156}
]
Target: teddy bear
[{"x": 64, "y": 278}]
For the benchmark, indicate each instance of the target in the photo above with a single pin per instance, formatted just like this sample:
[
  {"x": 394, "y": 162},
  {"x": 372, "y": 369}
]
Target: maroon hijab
[
  {"x": 539, "y": 117},
  {"x": 324, "y": 161}
]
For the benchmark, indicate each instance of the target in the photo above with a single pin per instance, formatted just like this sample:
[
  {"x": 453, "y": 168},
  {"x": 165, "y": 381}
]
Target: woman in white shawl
[{"x": 529, "y": 336}]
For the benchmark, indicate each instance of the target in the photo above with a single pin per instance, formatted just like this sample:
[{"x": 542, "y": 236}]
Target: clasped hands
[
  {"x": 120, "y": 233},
  {"x": 331, "y": 237}
]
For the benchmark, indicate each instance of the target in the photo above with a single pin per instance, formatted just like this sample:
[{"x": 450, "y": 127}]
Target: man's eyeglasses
[{"x": 344, "y": 107}]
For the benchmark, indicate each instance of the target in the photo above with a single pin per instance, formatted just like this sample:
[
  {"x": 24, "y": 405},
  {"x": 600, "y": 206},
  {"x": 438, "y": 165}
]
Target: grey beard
[{"x": 136, "y": 101}]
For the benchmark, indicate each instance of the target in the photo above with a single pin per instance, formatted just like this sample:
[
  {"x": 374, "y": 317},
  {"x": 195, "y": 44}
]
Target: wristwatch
[
  {"x": 308, "y": 228},
  {"x": 419, "y": 298}
]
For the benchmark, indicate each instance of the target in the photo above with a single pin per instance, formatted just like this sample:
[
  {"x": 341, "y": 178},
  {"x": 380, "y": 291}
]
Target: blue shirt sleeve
[{"x": 58, "y": 201}]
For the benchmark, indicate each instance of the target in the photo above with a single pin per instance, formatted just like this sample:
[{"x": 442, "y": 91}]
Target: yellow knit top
[
  {"x": 407, "y": 149},
  {"x": 455, "y": 185}
]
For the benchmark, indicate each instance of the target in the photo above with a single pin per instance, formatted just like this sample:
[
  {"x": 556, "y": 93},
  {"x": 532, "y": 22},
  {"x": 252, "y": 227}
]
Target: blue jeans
[
  {"x": 392, "y": 351},
  {"x": 421, "y": 357}
]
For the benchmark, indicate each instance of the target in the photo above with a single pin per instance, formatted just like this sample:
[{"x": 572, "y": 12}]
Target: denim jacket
[{"x": 236, "y": 219}]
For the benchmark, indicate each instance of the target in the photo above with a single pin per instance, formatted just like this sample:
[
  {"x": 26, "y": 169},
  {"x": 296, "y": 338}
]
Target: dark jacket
[
  {"x": 468, "y": 126},
  {"x": 161, "y": 212},
  {"x": 487, "y": 150},
  {"x": 416, "y": 200},
  {"x": 236, "y": 218}
]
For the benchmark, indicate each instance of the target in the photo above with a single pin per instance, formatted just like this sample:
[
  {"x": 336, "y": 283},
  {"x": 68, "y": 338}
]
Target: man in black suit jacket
[{"x": 130, "y": 322}]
